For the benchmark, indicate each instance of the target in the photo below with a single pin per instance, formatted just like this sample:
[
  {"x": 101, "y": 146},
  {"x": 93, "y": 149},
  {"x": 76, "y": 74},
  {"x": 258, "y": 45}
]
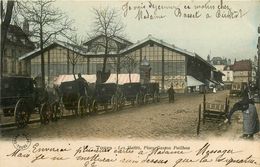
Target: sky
[{"x": 201, "y": 26}]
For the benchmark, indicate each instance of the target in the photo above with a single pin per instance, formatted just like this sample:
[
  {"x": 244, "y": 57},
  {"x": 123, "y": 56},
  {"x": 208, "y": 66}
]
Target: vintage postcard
[{"x": 130, "y": 83}]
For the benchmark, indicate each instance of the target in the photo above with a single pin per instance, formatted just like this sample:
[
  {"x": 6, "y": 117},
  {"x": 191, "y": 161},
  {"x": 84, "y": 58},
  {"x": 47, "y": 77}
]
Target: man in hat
[
  {"x": 83, "y": 85},
  {"x": 171, "y": 94}
]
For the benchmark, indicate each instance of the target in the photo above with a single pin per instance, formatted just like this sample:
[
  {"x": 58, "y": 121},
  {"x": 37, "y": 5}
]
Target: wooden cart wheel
[
  {"x": 21, "y": 113},
  {"x": 133, "y": 102},
  {"x": 122, "y": 102},
  {"x": 93, "y": 107},
  {"x": 137, "y": 100},
  {"x": 45, "y": 113},
  {"x": 56, "y": 111},
  {"x": 114, "y": 103},
  {"x": 156, "y": 97},
  {"x": 146, "y": 98},
  {"x": 61, "y": 108},
  {"x": 82, "y": 106}
]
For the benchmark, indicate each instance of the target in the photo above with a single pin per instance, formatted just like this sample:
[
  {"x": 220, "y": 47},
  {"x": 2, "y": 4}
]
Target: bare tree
[
  {"x": 46, "y": 24},
  {"x": 6, "y": 15},
  {"x": 108, "y": 24},
  {"x": 129, "y": 63},
  {"x": 76, "y": 46}
]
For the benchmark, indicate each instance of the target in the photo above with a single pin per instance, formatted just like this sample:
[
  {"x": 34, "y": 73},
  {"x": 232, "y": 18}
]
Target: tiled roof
[{"x": 243, "y": 65}]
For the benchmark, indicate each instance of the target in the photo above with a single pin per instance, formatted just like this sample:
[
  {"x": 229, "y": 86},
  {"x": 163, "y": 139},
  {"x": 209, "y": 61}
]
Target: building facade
[
  {"x": 228, "y": 71},
  {"x": 169, "y": 64},
  {"x": 17, "y": 44},
  {"x": 242, "y": 71}
]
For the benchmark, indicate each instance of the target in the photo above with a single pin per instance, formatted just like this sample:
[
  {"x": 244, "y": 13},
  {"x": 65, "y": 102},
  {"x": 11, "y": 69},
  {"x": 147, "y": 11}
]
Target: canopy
[
  {"x": 191, "y": 81},
  {"x": 65, "y": 78},
  {"x": 122, "y": 78}
]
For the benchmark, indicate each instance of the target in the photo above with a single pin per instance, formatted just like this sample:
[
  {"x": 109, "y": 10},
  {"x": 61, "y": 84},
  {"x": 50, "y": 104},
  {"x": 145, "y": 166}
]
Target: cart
[
  {"x": 74, "y": 97},
  {"x": 104, "y": 94},
  {"x": 20, "y": 98}
]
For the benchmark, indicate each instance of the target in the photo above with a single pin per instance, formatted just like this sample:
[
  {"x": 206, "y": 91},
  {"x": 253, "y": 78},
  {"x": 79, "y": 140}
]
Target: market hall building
[{"x": 169, "y": 64}]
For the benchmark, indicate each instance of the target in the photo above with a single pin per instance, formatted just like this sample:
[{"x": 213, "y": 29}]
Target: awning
[
  {"x": 123, "y": 78},
  {"x": 191, "y": 81},
  {"x": 65, "y": 78}
]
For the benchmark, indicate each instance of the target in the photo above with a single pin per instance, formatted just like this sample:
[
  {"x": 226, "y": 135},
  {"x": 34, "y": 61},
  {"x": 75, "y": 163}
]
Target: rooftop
[
  {"x": 16, "y": 36},
  {"x": 242, "y": 65}
]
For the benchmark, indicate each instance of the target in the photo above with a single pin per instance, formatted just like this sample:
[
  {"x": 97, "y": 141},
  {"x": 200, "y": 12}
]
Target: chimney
[{"x": 26, "y": 27}]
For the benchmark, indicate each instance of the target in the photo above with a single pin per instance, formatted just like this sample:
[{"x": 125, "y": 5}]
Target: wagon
[
  {"x": 150, "y": 91},
  {"x": 104, "y": 94},
  {"x": 74, "y": 96},
  {"x": 20, "y": 98},
  {"x": 132, "y": 92}
]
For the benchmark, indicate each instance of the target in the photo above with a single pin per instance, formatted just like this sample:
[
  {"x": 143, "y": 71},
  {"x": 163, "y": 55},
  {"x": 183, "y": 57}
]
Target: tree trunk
[
  {"x": 105, "y": 56},
  {"x": 130, "y": 77},
  {"x": 42, "y": 58},
  {"x": 73, "y": 71},
  {"x": 4, "y": 28}
]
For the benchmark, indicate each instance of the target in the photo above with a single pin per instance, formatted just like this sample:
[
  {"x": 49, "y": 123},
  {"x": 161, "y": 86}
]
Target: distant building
[
  {"x": 242, "y": 71},
  {"x": 222, "y": 65},
  {"x": 228, "y": 71},
  {"x": 17, "y": 44}
]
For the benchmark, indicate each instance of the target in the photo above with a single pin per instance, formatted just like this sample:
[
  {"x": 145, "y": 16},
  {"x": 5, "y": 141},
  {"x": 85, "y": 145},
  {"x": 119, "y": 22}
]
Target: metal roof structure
[{"x": 81, "y": 50}]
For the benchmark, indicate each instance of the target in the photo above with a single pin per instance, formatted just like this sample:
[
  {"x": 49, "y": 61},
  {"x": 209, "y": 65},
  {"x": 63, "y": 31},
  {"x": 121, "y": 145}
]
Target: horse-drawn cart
[
  {"x": 104, "y": 94},
  {"x": 74, "y": 96},
  {"x": 132, "y": 92},
  {"x": 20, "y": 98}
]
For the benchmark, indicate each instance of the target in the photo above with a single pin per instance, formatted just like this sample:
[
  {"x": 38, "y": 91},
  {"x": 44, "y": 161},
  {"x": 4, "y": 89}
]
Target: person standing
[
  {"x": 82, "y": 84},
  {"x": 250, "y": 116},
  {"x": 171, "y": 94}
]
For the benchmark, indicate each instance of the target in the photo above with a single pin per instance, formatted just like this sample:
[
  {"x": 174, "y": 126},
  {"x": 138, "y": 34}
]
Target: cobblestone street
[{"x": 153, "y": 121}]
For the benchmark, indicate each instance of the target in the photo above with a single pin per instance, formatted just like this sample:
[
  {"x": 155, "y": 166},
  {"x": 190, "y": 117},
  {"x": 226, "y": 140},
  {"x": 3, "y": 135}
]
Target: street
[{"x": 162, "y": 120}]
